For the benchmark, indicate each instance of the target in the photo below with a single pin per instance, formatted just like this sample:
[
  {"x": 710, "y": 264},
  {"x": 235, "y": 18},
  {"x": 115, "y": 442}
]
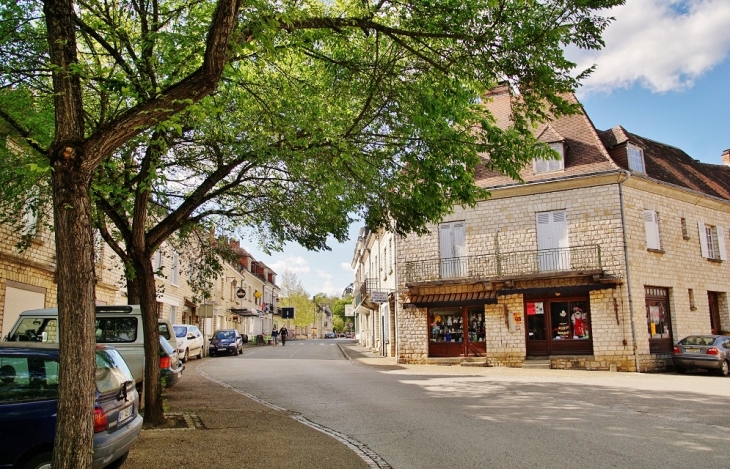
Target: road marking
[{"x": 366, "y": 454}]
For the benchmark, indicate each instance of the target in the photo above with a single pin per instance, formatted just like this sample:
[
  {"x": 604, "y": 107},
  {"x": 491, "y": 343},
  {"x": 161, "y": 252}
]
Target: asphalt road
[{"x": 436, "y": 417}]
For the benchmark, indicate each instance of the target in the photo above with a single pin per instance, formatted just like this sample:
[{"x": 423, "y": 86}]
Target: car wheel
[
  {"x": 119, "y": 462},
  {"x": 680, "y": 370},
  {"x": 40, "y": 461},
  {"x": 184, "y": 359},
  {"x": 724, "y": 369}
]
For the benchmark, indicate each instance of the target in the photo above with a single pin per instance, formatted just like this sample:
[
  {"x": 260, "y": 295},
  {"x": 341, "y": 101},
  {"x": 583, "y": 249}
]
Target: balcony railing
[
  {"x": 506, "y": 265},
  {"x": 363, "y": 289}
]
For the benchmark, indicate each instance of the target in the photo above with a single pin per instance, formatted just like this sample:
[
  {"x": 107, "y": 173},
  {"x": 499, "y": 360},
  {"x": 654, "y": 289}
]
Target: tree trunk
[
  {"x": 153, "y": 410},
  {"x": 76, "y": 317}
]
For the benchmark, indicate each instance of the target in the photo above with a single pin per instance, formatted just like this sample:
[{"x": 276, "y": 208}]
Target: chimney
[{"x": 726, "y": 157}]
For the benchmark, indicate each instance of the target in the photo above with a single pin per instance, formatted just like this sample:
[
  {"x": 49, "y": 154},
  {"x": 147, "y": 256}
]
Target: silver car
[{"x": 709, "y": 352}]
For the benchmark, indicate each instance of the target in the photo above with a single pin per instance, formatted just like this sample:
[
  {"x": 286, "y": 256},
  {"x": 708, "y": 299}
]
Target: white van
[{"x": 118, "y": 326}]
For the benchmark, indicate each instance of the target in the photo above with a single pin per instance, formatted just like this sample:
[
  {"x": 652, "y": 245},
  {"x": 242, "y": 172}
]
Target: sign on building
[
  {"x": 349, "y": 310},
  {"x": 379, "y": 297},
  {"x": 287, "y": 312}
]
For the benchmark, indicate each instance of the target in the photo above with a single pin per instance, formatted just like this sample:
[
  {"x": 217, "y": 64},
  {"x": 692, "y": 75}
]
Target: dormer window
[
  {"x": 636, "y": 159},
  {"x": 553, "y": 164}
]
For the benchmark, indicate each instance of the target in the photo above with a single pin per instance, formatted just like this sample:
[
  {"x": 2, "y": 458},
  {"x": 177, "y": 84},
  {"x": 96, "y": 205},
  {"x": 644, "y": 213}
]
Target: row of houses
[
  {"x": 243, "y": 296},
  {"x": 601, "y": 260}
]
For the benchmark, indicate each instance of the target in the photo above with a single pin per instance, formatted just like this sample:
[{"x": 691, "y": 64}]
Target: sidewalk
[{"x": 224, "y": 429}]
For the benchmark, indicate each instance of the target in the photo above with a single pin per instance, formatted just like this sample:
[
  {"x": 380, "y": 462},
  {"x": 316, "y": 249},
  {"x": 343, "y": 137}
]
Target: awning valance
[{"x": 454, "y": 299}]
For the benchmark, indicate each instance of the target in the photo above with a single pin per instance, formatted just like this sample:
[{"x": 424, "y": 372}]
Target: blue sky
[{"x": 664, "y": 74}]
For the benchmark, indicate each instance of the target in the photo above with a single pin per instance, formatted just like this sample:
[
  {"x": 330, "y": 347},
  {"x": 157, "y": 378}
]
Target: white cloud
[
  {"x": 346, "y": 266},
  {"x": 296, "y": 264},
  {"x": 663, "y": 45},
  {"x": 324, "y": 274}
]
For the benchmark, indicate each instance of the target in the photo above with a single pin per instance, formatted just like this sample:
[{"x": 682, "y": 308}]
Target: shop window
[
  {"x": 446, "y": 325},
  {"x": 659, "y": 324},
  {"x": 569, "y": 320}
]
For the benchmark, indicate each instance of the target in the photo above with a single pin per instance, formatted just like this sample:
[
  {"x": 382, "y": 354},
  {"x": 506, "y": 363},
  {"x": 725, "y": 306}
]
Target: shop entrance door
[
  {"x": 457, "y": 332},
  {"x": 558, "y": 328}
]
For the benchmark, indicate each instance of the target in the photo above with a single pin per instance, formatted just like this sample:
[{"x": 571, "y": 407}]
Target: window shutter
[
  {"x": 703, "y": 239},
  {"x": 445, "y": 245},
  {"x": 721, "y": 243},
  {"x": 651, "y": 224},
  {"x": 459, "y": 236}
]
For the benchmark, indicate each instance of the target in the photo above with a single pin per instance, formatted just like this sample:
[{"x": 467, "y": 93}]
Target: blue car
[
  {"x": 29, "y": 398},
  {"x": 227, "y": 341}
]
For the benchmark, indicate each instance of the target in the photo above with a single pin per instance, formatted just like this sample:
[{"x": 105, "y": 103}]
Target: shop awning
[{"x": 455, "y": 299}]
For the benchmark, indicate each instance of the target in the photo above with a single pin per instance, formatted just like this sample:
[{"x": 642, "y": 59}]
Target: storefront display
[
  {"x": 565, "y": 329},
  {"x": 456, "y": 331}
]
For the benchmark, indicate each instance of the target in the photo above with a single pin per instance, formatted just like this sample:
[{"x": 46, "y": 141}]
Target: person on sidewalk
[
  {"x": 283, "y": 332},
  {"x": 274, "y": 334}
]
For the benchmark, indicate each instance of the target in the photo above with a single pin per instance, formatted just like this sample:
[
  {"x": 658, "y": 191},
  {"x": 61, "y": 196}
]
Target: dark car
[
  {"x": 29, "y": 398},
  {"x": 709, "y": 352},
  {"x": 225, "y": 341},
  {"x": 171, "y": 366}
]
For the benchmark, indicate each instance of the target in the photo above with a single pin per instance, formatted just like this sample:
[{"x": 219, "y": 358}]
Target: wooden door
[{"x": 714, "y": 312}]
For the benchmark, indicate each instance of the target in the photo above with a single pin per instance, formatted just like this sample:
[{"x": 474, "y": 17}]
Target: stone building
[
  {"x": 601, "y": 259},
  {"x": 374, "y": 290}
]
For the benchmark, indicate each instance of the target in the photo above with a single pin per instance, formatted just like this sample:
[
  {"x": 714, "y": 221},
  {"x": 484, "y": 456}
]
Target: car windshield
[
  {"x": 180, "y": 331},
  {"x": 224, "y": 335},
  {"x": 698, "y": 340}
]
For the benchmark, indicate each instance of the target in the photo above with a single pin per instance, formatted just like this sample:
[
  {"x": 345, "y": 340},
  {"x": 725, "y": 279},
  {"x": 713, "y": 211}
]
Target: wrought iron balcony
[
  {"x": 506, "y": 265},
  {"x": 363, "y": 289}
]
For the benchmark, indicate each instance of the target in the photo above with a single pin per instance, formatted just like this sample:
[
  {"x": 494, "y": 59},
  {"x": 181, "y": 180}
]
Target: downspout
[
  {"x": 627, "y": 175},
  {"x": 395, "y": 293}
]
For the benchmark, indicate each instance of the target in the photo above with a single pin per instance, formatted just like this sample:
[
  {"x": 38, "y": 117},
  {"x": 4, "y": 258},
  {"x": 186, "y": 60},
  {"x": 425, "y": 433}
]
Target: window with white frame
[
  {"x": 175, "y": 268},
  {"x": 157, "y": 262},
  {"x": 636, "y": 159},
  {"x": 651, "y": 225},
  {"x": 712, "y": 241},
  {"x": 553, "y": 164}
]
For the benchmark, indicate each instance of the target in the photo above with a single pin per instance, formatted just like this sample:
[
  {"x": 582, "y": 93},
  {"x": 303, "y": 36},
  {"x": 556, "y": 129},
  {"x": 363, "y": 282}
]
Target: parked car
[
  {"x": 171, "y": 367},
  {"x": 709, "y": 352},
  {"x": 119, "y": 326},
  {"x": 226, "y": 341},
  {"x": 29, "y": 398},
  {"x": 189, "y": 341},
  {"x": 329, "y": 335}
]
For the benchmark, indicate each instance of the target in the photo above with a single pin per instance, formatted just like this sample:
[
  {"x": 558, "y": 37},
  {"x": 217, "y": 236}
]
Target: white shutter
[
  {"x": 445, "y": 244},
  {"x": 552, "y": 234},
  {"x": 651, "y": 225},
  {"x": 458, "y": 234},
  {"x": 721, "y": 243},
  {"x": 18, "y": 300},
  {"x": 703, "y": 239}
]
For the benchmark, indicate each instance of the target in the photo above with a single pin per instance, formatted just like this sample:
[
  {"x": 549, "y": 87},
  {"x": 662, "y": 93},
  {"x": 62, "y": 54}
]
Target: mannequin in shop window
[{"x": 578, "y": 319}]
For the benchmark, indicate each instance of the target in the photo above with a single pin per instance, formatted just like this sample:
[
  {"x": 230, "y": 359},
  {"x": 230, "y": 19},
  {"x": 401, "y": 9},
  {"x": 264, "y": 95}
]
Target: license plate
[
  {"x": 124, "y": 414},
  {"x": 222, "y": 349},
  {"x": 691, "y": 350}
]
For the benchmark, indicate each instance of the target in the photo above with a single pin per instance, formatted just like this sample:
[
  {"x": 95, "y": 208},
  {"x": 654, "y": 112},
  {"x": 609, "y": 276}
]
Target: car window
[
  {"x": 111, "y": 370},
  {"x": 32, "y": 329},
  {"x": 113, "y": 330},
  {"x": 180, "y": 331},
  {"x": 196, "y": 332},
  {"x": 164, "y": 330},
  {"x": 30, "y": 378}
]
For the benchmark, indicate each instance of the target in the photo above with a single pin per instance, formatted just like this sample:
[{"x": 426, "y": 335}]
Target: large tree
[{"x": 409, "y": 125}]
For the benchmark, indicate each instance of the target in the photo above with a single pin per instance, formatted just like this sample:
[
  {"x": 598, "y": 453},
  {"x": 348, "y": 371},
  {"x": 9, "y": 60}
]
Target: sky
[{"x": 664, "y": 75}]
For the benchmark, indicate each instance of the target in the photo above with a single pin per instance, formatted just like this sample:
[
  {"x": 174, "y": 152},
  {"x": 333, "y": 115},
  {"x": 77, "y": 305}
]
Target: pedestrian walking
[
  {"x": 283, "y": 333},
  {"x": 274, "y": 334}
]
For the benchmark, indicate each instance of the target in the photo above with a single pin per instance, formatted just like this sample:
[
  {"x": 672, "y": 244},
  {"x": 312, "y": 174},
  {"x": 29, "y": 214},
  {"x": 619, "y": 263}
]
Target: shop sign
[{"x": 379, "y": 297}]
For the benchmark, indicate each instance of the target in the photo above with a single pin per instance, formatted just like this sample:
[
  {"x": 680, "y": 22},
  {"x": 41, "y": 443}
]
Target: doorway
[
  {"x": 712, "y": 299},
  {"x": 457, "y": 332}
]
